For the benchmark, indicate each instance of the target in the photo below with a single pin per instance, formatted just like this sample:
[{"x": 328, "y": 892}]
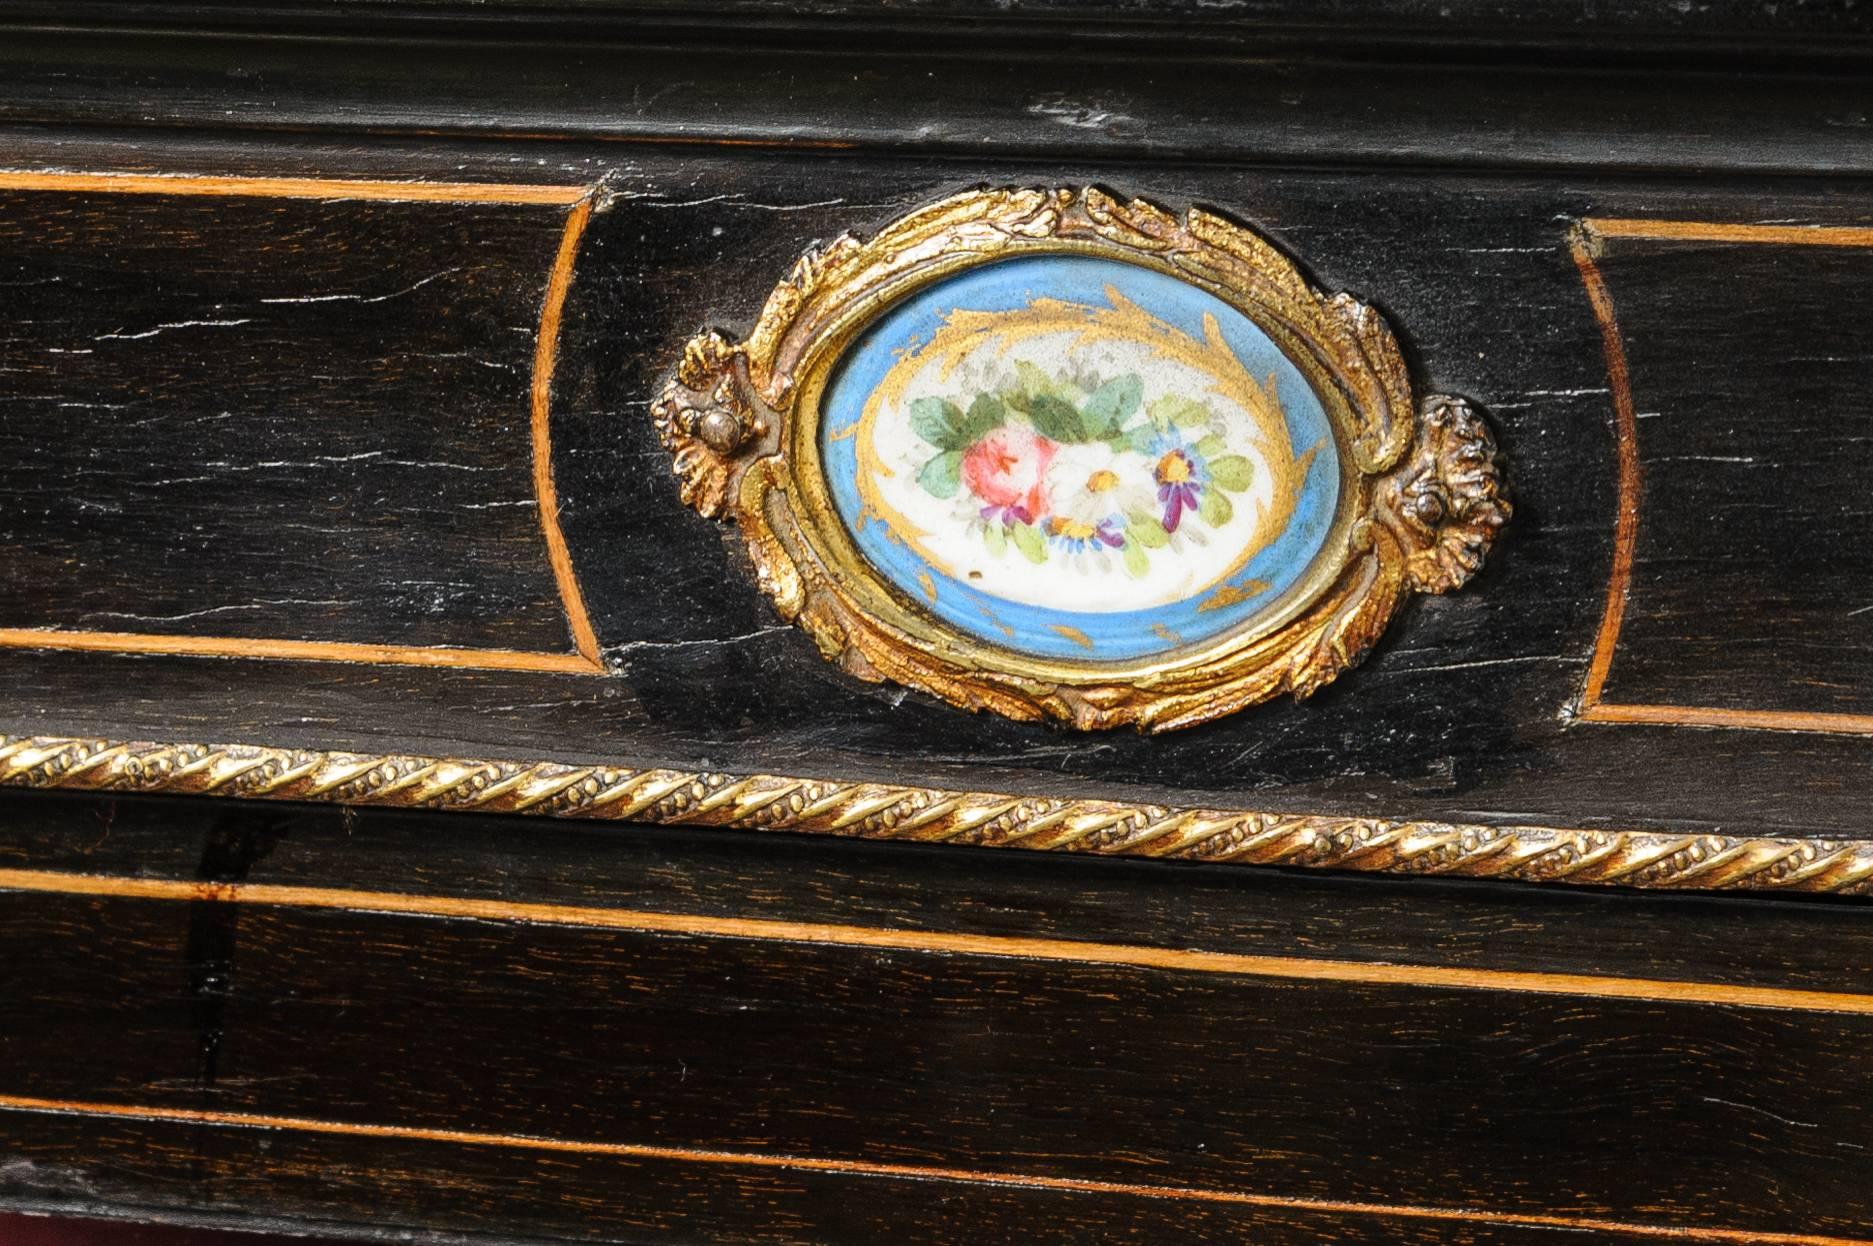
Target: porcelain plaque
[{"x": 1052, "y": 454}]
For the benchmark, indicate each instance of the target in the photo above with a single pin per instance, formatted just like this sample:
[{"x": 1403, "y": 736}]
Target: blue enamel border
[{"x": 1011, "y": 284}]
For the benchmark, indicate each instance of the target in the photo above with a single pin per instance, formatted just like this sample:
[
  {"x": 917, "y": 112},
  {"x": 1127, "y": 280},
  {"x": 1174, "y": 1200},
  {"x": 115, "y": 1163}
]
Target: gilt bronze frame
[{"x": 1421, "y": 494}]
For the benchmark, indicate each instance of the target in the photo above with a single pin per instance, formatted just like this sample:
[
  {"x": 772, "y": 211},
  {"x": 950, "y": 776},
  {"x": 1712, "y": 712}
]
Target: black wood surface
[
  {"x": 1464, "y": 712},
  {"x": 1042, "y": 98},
  {"x": 435, "y": 1025},
  {"x": 1757, "y": 27},
  {"x": 258, "y": 417},
  {"x": 559, "y": 1198},
  {"x": 1750, "y": 582},
  {"x": 729, "y": 1082}
]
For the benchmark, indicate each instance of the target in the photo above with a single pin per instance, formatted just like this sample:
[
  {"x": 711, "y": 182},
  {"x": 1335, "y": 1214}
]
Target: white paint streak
[
  {"x": 365, "y": 298},
  {"x": 164, "y": 328}
]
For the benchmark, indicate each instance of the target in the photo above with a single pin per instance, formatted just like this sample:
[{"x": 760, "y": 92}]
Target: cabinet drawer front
[{"x": 337, "y": 480}]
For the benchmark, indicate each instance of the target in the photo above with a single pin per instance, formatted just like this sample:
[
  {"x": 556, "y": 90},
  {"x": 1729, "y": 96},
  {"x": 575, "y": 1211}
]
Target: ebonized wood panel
[
  {"x": 1760, "y": 28},
  {"x": 917, "y": 888},
  {"x": 255, "y": 415},
  {"x": 579, "y": 1198},
  {"x": 1464, "y": 713},
  {"x": 552, "y": 1063},
  {"x": 1040, "y": 98},
  {"x": 1752, "y": 413},
  {"x": 428, "y": 1026}
]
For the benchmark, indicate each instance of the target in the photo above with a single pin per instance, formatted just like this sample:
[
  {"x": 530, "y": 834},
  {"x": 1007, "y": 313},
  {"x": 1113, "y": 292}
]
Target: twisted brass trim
[{"x": 891, "y": 811}]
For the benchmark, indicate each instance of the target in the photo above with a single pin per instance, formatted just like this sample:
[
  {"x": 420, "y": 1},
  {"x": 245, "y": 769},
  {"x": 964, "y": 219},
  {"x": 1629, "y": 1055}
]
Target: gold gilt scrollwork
[{"x": 1422, "y": 493}]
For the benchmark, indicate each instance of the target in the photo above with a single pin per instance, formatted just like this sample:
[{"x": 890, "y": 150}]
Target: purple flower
[
  {"x": 1007, "y": 516},
  {"x": 1179, "y": 486}
]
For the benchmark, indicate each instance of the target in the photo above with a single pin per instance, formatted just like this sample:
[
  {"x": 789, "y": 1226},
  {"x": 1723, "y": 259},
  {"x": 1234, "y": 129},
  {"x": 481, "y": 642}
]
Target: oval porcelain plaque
[
  {"x": 1079, "y": 458},
  {"x": 1052, "y": 454}
]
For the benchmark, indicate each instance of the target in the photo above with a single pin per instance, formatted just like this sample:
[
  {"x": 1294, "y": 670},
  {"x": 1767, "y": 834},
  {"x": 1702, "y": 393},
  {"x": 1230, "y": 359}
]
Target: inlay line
[
  {"x": 585, "y": 659},
  {"x": 546, "y": 493},
  {"x": 914, "y": 1172},
  {"x": 1585, "y": 244},
  {"x": 1716, "y": 231},
  {"x": 954, "y": 943},
  {"x": 324, "y": 188}
]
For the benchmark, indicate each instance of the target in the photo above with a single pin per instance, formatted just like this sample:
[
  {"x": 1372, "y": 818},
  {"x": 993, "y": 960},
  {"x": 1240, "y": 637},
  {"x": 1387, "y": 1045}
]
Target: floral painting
[
  {"x": 1079, "y": 468},
  {"x": 1106, "y": 463}
]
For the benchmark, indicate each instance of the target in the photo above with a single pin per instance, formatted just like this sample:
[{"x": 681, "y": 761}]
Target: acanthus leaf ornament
[
  {"x": 1057, "y": 455},
  {"x": 705, "y": 420}
]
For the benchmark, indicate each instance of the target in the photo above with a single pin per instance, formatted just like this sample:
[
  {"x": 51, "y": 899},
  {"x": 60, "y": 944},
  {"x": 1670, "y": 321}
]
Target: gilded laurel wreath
[{"x": 1422, "y": 494}]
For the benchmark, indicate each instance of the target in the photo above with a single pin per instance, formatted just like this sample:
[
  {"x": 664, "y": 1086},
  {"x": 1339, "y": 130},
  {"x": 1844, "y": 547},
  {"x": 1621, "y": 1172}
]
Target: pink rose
[{"x": 1005, "y": 470}]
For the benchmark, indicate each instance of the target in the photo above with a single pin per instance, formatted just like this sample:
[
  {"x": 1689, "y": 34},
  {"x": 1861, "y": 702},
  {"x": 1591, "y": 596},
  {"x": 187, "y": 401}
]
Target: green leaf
[
  {"x": 1211, "y": 446},
  {"x": 986, "y": 414},
  {"x": 942, "y": 474},
  {"x": 995, "y": 536},
  {"x": 1034, "y": 382},
  {"x": 1232, "y": 472},
  {"x": 1178, "y": 410},
  {"x": 1056, "y": 418},
  {"x": 1029, "y": 541},
  {"x": 937, "y": 421},
  {"x": 1111, "y": 405},
  {"x": 1145, "y": 530},
  {"x": 1140, "y": 438},
  {"x": 1215, "y": 508},
  {"x": 1032, "y": 379},
  {"x": 1135, "y": 560}
]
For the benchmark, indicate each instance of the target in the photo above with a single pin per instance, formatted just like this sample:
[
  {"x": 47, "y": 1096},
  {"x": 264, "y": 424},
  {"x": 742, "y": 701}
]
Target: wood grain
[
  {"x": 1693, "y": 605},
  {"x": 1441, "y": 1216},
  {"x": 1117, "y": 95},
  {"x": 266, "y": 648},
  {"x": 131, "y": 233},
  {"x": 692, "y": 1048},
  {"x": 1077, "y": 951},
  {"x": 579, "y": 1031},
  {"x": 1474, "y": 695},
  {"x": 448, "y": 1027},
  {"x": 559, "y": 1197}
]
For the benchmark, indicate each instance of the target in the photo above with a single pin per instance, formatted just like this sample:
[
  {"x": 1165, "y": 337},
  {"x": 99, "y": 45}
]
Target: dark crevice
[{"x": 231, "y": 848}]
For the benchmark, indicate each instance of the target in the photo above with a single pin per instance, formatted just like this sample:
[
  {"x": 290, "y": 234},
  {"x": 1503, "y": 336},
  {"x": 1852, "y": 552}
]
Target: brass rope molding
[{"x": 889, "y": 811}]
